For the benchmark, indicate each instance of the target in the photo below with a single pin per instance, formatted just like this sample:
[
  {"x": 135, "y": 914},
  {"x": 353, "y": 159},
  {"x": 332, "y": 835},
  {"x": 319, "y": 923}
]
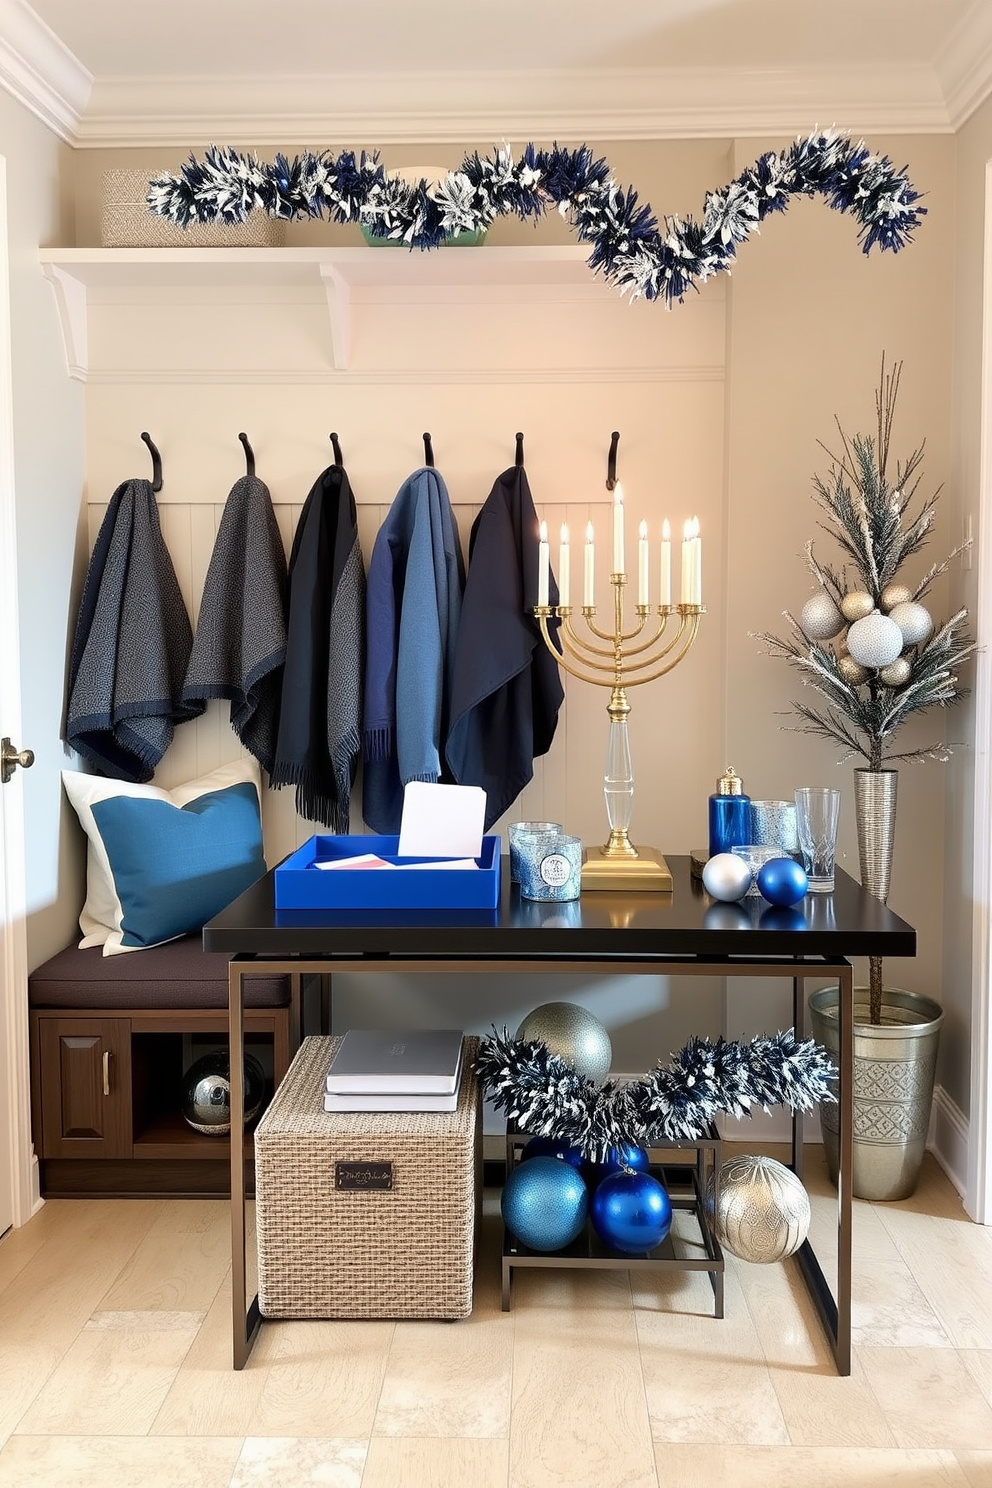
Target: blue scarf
[{"x": 413, "y": 607}]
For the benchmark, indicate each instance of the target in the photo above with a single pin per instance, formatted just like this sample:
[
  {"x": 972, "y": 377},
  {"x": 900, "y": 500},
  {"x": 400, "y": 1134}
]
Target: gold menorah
[{"x": 629, "y": 658}]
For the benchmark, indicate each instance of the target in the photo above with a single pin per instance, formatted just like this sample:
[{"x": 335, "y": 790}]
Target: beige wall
[
  {"x": 48, "y": 473},
  {"x": 720, "y": 404}
]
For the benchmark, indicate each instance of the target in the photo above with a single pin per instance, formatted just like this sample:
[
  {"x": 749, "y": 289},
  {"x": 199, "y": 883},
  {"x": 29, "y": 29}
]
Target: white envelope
[{"x": 442, "y": 821}]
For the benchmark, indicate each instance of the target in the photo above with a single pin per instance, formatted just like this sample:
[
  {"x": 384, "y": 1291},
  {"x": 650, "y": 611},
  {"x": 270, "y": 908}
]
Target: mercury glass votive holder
[
  {"x": 551, "y": 867},
  {"x": 773, "y": 824},
  {"x": 520, "y": 834},
  {"x": 756, "y": 854}
]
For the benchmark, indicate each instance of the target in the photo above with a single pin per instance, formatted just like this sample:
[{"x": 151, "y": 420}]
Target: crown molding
[
  {"x": 963, "y": 66},
  {"x": 618, "y": 104},
  {"x": 40, "y": 72}
]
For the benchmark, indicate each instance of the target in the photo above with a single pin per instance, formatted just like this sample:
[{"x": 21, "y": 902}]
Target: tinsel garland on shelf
[
  {"x": 545, "y": 1096},
  {"x": 629, "y": 248}
]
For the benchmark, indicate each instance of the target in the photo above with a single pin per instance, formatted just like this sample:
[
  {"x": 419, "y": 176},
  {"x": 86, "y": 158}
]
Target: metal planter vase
[{"x": 894, "y": 1065}]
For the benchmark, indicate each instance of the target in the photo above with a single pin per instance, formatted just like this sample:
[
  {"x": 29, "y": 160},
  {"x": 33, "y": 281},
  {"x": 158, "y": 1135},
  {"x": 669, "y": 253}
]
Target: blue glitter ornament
[
  {"x": 782, "y": 881},
  {"x": 545, "y": 1203},
  {"x": 551, "y": 1147},
  {"x": 631, "y": 1212}
]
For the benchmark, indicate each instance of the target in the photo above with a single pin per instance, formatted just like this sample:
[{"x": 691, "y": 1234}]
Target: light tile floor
[{"x": 115, "y": 1348}]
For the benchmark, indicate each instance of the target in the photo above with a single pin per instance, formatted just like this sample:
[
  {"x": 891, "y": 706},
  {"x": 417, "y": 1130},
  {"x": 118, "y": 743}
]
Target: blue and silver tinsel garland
[
  {"x": 544, "y": 1095},
  {"x": 629, "y": 248}
]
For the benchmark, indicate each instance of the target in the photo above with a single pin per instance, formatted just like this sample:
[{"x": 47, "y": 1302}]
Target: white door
[{"x": 15, "y": 1198}]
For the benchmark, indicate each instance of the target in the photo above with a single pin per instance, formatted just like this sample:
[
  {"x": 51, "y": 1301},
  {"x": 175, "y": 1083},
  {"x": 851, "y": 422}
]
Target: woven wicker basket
[
  {"x": 125, "y": 221},
  {"x": 403, "y": 1253}
]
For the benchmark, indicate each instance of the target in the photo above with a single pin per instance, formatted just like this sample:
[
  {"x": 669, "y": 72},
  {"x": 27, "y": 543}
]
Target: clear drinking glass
[{"x": 817, "y": 815}]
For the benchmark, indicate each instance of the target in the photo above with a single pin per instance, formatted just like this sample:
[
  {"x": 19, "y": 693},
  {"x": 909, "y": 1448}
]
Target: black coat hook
[
  {"x": 156, "y": 463},
  {"x": 428, "y": 450},
  {"x": 249, "y": 457},
  {"x": 611, "y": 461},
  {"x": 337, "y": 450},
  {"x": 519, "y": 457}
]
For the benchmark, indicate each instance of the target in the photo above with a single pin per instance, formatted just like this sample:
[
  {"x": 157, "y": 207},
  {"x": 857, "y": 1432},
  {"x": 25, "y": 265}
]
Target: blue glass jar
[{"x": 730, "y": 813}]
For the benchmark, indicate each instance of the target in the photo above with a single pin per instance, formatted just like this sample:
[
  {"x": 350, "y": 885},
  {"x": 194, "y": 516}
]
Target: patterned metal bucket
[{"x": 894, "y": 1065}]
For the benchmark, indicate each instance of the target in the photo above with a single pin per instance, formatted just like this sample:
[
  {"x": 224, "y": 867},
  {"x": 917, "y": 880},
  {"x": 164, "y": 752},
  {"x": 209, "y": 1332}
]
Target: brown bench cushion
[{"x": 179, "y": 974}]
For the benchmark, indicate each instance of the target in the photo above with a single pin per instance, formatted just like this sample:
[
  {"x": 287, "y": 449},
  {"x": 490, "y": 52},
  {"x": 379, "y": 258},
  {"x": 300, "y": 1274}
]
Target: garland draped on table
[
  {"x": 629, "y": 248},
  {"x": 545, "y": 1096}
]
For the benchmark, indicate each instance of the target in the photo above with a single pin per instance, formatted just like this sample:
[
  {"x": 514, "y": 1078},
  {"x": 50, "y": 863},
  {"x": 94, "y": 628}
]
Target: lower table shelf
[{"x": 690, "y": 1172}]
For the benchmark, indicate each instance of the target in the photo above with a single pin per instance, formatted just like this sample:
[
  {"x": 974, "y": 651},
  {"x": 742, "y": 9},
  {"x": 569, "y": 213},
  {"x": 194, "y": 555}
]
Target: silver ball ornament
[
  {"x": 574, "y": 1034},
  {"x": 856, "y": 605},
  {"x": 820, "y": 618},
  {"x": 892, "y": 595},
  {"x": 726, "y": 877},
  {"x": 875, "y": 641},
  {"x": 914, "y": 621},
  {"x": 762, "y": 1211},
  {"x": 897, "y": 674},
  {"x": 851, "y": 672}
]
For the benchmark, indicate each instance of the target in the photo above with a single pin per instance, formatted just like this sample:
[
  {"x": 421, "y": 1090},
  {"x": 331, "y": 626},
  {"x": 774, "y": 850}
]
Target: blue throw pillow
[{"x": 174, "y": 867}]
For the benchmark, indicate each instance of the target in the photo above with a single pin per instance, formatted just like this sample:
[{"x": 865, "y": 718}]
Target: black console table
[{"x": 682, "y": 933}]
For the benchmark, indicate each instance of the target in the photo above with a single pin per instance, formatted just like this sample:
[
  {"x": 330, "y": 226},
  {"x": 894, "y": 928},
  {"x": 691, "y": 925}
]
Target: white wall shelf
[{"x": 80, "y": 276}]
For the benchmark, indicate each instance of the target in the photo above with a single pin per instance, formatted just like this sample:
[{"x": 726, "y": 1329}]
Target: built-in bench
[{"x": 111, "y": 1037}]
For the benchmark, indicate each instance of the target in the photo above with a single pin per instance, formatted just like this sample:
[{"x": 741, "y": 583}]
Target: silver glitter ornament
[
  {"x": 574, "y": 1034},
  {"x": 763, "y": 1210},
  {"x": 820, "y": 618},
  {"x": 856, "y": 605},
  {"x": 875, "y": 641},
  {"x": 914, "y": 621}
]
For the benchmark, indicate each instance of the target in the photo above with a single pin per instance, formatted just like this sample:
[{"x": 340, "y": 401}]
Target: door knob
[{"x": 10, "y": 758}]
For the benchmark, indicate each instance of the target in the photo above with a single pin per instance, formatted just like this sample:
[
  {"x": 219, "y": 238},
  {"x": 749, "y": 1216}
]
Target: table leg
[
  {"x": 245, "y": 1318},
  {"x": 836, "y": 1313}
]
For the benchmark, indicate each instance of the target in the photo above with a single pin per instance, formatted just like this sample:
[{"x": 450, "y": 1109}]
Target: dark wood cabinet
[{"x": 106, "y": 1098}]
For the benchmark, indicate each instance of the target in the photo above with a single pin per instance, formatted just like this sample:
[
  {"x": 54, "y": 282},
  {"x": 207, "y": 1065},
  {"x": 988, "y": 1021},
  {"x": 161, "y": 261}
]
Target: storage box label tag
[{"x": 363, "y": 1177}]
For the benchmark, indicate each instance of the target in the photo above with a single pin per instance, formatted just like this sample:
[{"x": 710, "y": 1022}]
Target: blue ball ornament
[
  {"x": 631, "y": 1212},
  {"x": 551, "y": 1147},
  {"x": 545, "y": 1203},
  {"x": 782, "y": 881}
]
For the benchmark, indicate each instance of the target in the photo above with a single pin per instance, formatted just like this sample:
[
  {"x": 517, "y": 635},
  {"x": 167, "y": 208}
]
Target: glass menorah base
[{"x": 647, "y": 873}]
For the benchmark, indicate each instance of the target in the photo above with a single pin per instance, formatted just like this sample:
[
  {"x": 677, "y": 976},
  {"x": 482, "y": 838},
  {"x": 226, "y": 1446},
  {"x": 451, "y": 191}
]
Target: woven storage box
[
  {"x": 405, "y": 1252},
  {"x": 126, "y": 222}
]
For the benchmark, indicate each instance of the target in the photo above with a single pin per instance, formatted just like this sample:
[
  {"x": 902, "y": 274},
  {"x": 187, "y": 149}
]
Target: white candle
[
  {"x": 686, "y": 588},
  {"x": 697, "y": 564},
  {"x": 588, "y": 588},
  {"x": 642, "y": 564},
  {"x": 618, "y": 528},
  {"x": 543, "y": 565},
  {"x": 564, "y": 566},
  {"x": 666, "y": 563}
]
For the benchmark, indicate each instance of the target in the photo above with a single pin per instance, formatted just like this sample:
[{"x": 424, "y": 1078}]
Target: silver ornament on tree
[
  {"x": 820, "y": 618},
  {"x": 574, "y": 1034},
  {"x": 874, "y": 641},
  {"x": 761, "y": 1212},
  {"x": 914, "y": 621}
]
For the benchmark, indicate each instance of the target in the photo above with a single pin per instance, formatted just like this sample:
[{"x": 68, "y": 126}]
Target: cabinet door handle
[{"x": 106, "y": 1072}]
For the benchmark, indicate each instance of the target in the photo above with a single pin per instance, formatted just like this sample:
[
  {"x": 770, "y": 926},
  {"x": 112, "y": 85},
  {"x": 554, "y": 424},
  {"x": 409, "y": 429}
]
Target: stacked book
[{"x": 381, "y": 1070}]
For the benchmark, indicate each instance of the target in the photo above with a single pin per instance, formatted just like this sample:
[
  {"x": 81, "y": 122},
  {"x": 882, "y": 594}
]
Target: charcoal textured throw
[
  {"x": 240, "y": 642},
  {"x": 416, "y": 577},
  {"x": 507, "y": 691},
  {"x": 320, "y": 719},
  {"x": 132, "y": 644}
]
